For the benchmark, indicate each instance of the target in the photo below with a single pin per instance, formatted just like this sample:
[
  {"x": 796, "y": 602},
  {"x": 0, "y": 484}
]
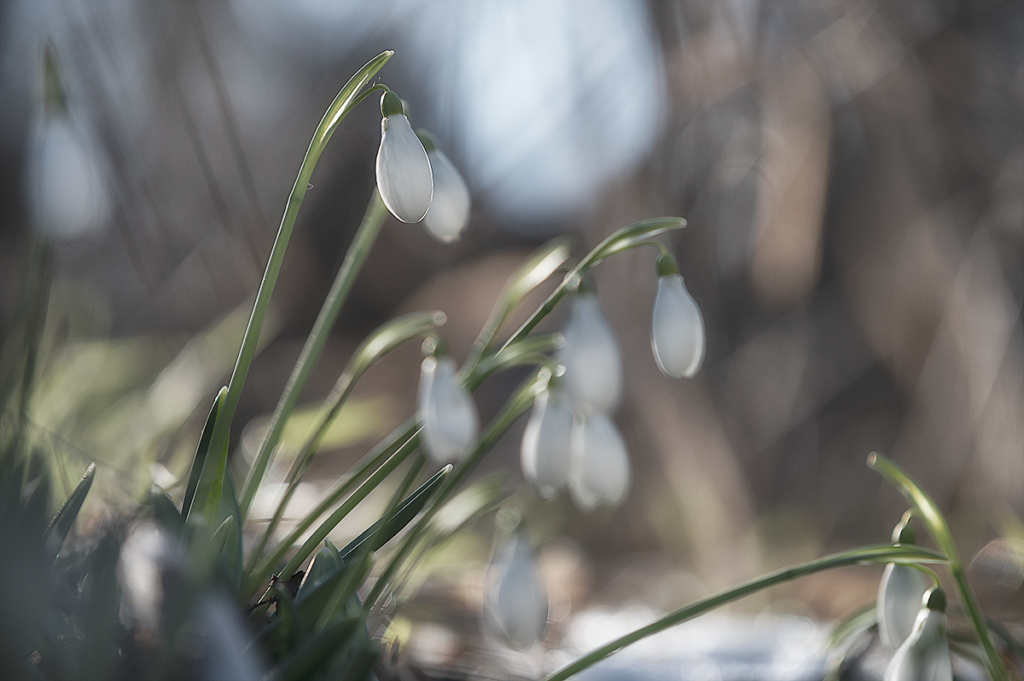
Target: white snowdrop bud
[
  {"x": 515, "y": 601},
  {"x": 404, "y": 178},
  {"x": 899, "y": 600},
  {"x": 67, "y": 192},
  {"x": 677, "y": 326},
  {"x": 449, "y": 209},
  {"x": 599, "y": 472},
  {"x": 547, "y": 444},
  {"x": 447, "y": 411},
  {"x": 593, "y": 366},
  {"x": 924, "y": 656}
]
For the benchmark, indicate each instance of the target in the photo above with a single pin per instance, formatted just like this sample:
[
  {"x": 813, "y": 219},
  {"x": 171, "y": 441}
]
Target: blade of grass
[
  {"x": 61, "y": 524},
  {"x": 338, "y": 109},
  {"x": 885, "y": 553},
  {"x": 933, "y": 519},
  {"x": 199, "y": 460},
  {"x": 363, "y": 241}
]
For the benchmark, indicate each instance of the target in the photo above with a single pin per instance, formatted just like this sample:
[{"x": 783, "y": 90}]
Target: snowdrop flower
[
  {"x": 67, "y": 191},
  {"x": 599, "y": 470},
  {"x": 900, "y": 593},
  {"x": 447, "y": 411},
  {"x": 404, "y": 178},
  {"x": 448, "y": 214},
  {"x": 924, "y": 656},
  {"x": 677, "y": 327},
  {"x": 593, "y": 366},
  {"x": 547, "y": 443},
  {"x": 515, "y": 601}
]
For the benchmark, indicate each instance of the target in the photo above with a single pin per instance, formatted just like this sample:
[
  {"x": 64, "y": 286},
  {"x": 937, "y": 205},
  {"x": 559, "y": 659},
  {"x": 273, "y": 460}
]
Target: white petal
[
  {"x": 593, "y": 366},
  {"x": 403, "y": 171},
  {"x": 68, "y": 193},
  {"x": 924, "y": 656},
  {"x": 449, "y": 209},
  {"x": 677, "y": 329},
  {"x": 450, "y": 421},
  {"x": 599, "y": 474},
  {"x": 516, "y": 603},
  {"x": 547, "y": 444},
  {"x": 899, "y": 600}
]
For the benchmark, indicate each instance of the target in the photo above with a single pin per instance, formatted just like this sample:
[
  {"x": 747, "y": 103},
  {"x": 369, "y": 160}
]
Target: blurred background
[{"x": 853, "y": 177}]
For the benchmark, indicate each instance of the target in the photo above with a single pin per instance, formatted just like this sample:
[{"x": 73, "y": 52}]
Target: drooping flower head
[
  {"x": 924, "y": 656},
  {"x": 515, "y": 601},
  {"x": 593, "y": 365},
  {"x": 446, "y": 409},
  {"x": 677, "y": 326},
  {"x": 449, "y": 209},
  {"x": 404, "y": 178},
  {"x": 599, "y": 473},
  {"x": 547, "y": 443},
  {"x": 899, "y": 593}
]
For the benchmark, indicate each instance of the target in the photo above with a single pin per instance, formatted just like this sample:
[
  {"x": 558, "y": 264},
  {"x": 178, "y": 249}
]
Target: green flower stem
[
  {"x": 336, "y": 297},
  {"x": 339, "y": 108},
  {"x": 620, "y": 240},
  {"x": 885, "y": 553},
  {"x": 520, "y": 401},
  {"x": 939, "y": 529}
]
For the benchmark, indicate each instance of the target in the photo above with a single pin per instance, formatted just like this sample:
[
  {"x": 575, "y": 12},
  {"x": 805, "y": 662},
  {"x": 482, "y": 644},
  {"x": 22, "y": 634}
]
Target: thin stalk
[
  {"x": 885, "y": 553},
  {"x": 363, "y": 241},
  {"x": 938, "y": 528},
  {"x": 339, "y": 108}
]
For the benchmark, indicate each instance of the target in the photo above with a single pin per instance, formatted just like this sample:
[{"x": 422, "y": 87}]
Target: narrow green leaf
[
  {"x": 937, "y": 526},
  {"x": 325, "y": 563},
  {"x": 339, "y": 108},
  {"x": 61, "y": 524},
  {"x": 220, "y": 535},
  {"x": 199, "y": 460},
  {"x": 531, "y": 350},
  {"x": 315, "y": 651},
  {"x": 165, "y": 512},
  {"x": 382, "y": 532},
  {"x": 884, "y": 553}
]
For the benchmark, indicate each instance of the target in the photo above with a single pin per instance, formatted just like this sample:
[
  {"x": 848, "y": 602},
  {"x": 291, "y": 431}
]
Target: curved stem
[
  {"x": 885, "y": 553},
  {"x": 931, "y": 516}
]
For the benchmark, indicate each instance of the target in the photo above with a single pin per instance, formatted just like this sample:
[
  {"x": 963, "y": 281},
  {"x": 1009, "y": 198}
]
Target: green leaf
[
  {"x": 880, "y": 554},
  {"x": 165, "y": 512},
  {"x": 325, "y": 563},
  {"x": 314, "y": 651},
  {"x": 61, "y": 524},
  {"x": 202, "y": 452}
]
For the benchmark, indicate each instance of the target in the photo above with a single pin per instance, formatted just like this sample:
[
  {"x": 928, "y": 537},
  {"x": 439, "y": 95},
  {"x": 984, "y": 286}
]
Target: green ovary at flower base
[
  {"x": 448, "y": 214},
  {"x": 677, "y": 326},
  {"x": 404, "y": 178},
  {"x": 924, "y": 656},
  {"x": 446, "y": 409}
]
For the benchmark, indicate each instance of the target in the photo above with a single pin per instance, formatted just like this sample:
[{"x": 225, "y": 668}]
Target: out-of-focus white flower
[
  {"x": 677, "y": 326},
  {"x": 447, "y": 411},
  {"x": 449, "y": 209},
  {"x": 146, "y": 555},
  {"x": 404, "y": 178},
  {"x": 593, "y": 366},
  {"x": 67, "y": 192},
  {"x": 899, "y": 600},
  {"x": 515, "y": 601},
  {"x": 900, "y": 592},
  {"x": 599, "y": 472},
  {"x": 546, "y": 450},
  {"x": 924, "y": 656}
]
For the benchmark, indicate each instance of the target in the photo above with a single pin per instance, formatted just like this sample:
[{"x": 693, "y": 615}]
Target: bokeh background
[{"x": 853, "y": 177}]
